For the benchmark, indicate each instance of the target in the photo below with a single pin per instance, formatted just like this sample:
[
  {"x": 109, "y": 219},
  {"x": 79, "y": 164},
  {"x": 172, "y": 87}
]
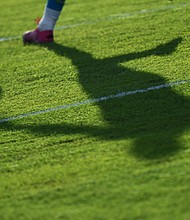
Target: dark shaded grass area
[
  {"x": 155, "y": 120},
  {"x": 1, "y": 92}
]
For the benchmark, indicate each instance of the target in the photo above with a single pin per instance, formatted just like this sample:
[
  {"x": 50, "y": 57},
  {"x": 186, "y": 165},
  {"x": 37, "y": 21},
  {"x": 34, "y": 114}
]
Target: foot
[{"x": 37, "y": 36}]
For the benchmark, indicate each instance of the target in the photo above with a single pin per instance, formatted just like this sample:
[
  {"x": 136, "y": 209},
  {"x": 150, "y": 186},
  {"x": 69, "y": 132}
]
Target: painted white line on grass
[
  {"x": 9, "y": 38},
  {"x": 91, "y": 101},
  {"x": 111, "y": 17}
]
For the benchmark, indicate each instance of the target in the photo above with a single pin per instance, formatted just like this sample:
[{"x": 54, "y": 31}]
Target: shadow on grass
[
  {"x": 155, "y": 120},
  {"x": 1, "y": 92}
]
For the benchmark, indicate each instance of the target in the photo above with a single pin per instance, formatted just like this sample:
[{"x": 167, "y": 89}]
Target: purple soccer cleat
[{"x": 36, "y": 36}]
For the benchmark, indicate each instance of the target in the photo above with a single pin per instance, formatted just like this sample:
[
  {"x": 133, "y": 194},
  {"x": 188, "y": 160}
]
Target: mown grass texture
[{"x": 123, "y": 158}]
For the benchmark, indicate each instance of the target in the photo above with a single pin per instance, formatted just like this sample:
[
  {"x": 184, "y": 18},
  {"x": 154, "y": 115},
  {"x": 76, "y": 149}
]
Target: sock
[
  {"x": 56, "y": 4},
  {"x": 51, "y": 14}
]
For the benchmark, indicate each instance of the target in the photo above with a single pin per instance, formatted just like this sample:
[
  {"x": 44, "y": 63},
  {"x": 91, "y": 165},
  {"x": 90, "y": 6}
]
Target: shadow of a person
[
  {"x": 155, "y": 120},
  {"x": 164, "y": 112}
]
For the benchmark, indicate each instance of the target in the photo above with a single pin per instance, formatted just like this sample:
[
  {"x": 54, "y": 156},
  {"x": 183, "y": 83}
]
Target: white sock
[{"x": 49, "y": 19}]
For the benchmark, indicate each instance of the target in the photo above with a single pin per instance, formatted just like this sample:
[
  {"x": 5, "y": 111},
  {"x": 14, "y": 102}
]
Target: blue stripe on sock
[{"x": 56, "y": 4}]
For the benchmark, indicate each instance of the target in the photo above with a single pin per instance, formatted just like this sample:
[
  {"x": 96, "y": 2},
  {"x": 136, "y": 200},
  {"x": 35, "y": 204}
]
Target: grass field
[{"x": 124, "y": 156}]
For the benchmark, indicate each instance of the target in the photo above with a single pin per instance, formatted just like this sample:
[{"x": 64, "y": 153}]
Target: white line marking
[
  {"x": 9, "y": 38},
  {"x": 112, "y": 17},
  {"x": 91, "y": 101}
]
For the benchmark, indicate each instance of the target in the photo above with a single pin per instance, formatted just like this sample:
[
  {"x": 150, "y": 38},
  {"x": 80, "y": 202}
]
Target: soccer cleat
[{"x": 36, "y": 36}]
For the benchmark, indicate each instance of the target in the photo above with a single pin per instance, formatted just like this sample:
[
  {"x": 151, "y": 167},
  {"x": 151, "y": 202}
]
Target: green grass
[{"x": 123, "y": 158}]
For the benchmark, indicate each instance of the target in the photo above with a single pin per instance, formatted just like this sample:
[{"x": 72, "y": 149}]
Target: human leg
[{"x": 44, "y": 32}]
